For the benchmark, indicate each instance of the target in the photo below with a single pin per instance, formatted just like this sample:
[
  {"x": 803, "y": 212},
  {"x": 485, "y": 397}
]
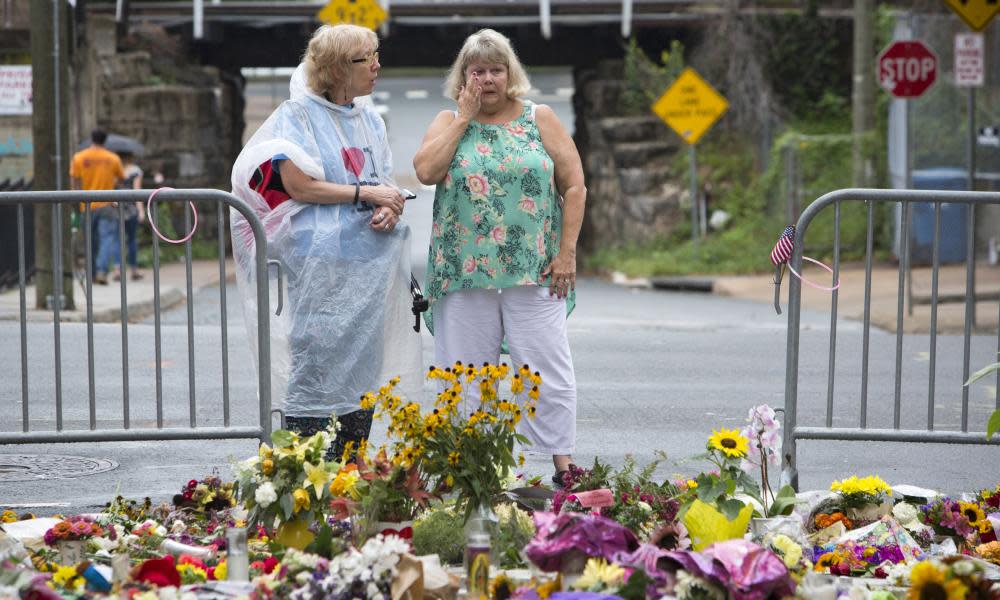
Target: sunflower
[
  {"x": 729, "y": 442},
  {"x": 928, "y": 581},
  {"x": 976, "y": 516}
]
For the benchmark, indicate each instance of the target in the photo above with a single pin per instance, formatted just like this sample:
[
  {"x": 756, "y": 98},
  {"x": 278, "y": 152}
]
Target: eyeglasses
[{"x": 368, "y": 60}]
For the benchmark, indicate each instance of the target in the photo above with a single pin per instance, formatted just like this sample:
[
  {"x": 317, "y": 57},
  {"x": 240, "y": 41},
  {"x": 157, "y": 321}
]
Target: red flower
[
  {"x": 270, "y": 564},
  {"x": 192, "y": 484},
  {"x": 160, "y": 572}
]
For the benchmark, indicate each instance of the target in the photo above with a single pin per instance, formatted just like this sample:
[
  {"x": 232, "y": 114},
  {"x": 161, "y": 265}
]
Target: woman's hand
[
  {"x": 469, "y": 99},
  {"x": 383, "y": 195},
  {"x": 562, "y": 270},
  {"x": 384, "y": 219}
]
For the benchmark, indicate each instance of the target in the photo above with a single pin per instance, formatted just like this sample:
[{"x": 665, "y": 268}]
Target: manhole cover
[{"x": 32, "y": 467}]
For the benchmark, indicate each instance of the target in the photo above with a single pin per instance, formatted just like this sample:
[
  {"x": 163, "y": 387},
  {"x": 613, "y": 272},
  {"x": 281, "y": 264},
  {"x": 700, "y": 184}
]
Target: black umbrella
[{"x": 120, "y": 144}]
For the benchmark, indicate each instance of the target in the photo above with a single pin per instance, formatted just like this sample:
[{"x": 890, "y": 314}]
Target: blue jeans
[
  {"x": 131, "y": 246},
  {"x": 106, "y": 233}
]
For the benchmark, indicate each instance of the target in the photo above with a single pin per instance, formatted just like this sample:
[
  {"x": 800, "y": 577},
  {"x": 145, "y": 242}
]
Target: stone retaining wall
[{"x": 634, "y": 195}]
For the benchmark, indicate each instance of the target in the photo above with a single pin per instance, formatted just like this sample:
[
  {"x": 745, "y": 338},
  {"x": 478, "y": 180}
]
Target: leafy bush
[
  {"x": 645, "y": 79},
  {"x": 440, "y": 531}
]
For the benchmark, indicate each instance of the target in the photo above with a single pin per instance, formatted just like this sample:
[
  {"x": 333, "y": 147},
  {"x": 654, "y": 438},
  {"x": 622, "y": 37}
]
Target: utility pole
[
  {"x": 50, "y": 133},
  {"x": 863, "y": 92}
]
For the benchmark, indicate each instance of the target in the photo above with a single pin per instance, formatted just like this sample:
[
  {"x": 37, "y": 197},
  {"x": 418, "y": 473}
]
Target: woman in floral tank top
[{"x": 508, "y": 206}]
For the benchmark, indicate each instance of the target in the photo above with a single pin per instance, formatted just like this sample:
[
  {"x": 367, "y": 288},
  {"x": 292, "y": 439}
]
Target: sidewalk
[
  {"x": 884, "y": 298},
  {"x": 107, "y": 298}
]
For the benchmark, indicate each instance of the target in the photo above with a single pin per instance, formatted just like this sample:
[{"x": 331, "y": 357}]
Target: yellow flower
[
  {"x": 990, "y": 552},
  {"x": 534, "y": 393},
  {"x": 976, "y": 516},
  {"x": 8, "y": 516},
  {"x": 598, "y": 574},
  {"x": 221, "y": 570},
  {"x": 692, "y": 484},
  {"x": 66, "y": 577},
  {"x": 871, "y": 485},
  {"x": 449, "y": 480},
  {"x": 267, "y": 467},
  {"x": 729, "y": 442},
  {"x": 516, "y": 384},
  {"x": 546, "y": 589},
  {"x": 520, "y": 459},
  {"x": 535, "y": 378},
  {"x": 927, "y": 581},
  {"x": 302, "y": 501},
  {"x": 454, "y": 457},
  {"x": 316, "y": 476}
]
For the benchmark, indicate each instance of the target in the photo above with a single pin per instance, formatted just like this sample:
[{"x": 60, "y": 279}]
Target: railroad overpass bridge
[{"x": 239, "y": 34}]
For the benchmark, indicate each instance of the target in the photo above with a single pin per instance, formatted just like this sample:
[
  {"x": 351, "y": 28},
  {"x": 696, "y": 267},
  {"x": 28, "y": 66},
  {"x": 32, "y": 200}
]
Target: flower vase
[
  {"x": 71, "y": 552},
  {"x": 294, "y": 534}
]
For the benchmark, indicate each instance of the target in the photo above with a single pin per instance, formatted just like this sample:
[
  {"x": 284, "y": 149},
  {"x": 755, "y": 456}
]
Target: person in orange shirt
[{"x": 97, "y": 168}]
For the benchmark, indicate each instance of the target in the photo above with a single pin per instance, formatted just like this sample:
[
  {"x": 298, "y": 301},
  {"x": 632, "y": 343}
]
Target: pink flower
[
  {"x": 533, "y": 145},
  {"x": 445, "y": 285},
  {"x": 477, "y": 218},
  {"x": 545, "y": 165},
  {"x": 479, "y": 187},
  {"x": 479, "y": 239},
  {"x": 483, "y": 149},
  {"x": 524, "y": 170},
  {"x": 447, "y": 180},
  {"x": 469, "y": 266},
  {"x": 528, "y": 205},
  {"x": 484, "y": 261},
  {"x": 499, "y": 234},
  {"x": 517, "y": 130},
  {"x": 502, "y": 167},
  {"x": 540, "y": 242},
  {"x": 436, "y": 229},
  {"x": 463, "y": 163},
  {"x": 439, "y": 257},
  {"x": 491, "y": 272}
]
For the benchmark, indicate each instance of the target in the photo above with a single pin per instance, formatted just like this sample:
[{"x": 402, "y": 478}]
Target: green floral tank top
[{"x": 497, "y": 215}]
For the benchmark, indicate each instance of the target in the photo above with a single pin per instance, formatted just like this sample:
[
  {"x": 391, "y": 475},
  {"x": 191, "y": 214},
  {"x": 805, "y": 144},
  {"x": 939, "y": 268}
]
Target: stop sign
[{"x": 907, "y": 68}]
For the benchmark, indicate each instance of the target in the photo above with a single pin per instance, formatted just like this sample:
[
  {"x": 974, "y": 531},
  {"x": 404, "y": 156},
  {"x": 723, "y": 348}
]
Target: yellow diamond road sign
[
  {"x": 976, "y": 13},
  {"x": 366, "y": 13},
  {"x": 690, "y": 106}
]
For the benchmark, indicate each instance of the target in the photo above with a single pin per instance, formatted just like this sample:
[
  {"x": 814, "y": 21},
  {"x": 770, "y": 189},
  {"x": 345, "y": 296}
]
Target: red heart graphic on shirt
[{"x": 354, "y": 160}]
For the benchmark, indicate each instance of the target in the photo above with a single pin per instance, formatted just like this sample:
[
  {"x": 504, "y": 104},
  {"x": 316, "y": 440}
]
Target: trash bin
[{"x": 953, "y": 218}]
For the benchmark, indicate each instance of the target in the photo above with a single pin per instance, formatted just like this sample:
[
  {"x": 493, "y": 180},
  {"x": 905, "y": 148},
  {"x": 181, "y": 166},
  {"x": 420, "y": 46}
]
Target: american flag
[{"x": 783, "y": 249}]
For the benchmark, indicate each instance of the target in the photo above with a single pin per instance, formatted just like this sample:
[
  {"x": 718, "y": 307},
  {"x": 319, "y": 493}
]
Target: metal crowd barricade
[
  {"x": 261, "y": 430},
  {"x": 794, "y": 431}
]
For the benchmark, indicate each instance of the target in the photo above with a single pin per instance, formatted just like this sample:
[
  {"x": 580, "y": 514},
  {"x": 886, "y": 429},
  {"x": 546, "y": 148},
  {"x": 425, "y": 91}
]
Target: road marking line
[{"x": 416, "y": 94}]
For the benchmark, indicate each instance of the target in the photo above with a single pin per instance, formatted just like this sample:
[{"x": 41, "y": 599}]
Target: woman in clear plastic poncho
[{"x": 344, "y": 253}]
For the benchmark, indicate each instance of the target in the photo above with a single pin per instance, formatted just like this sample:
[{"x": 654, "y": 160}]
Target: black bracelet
[{"x": 357, "y": 192}]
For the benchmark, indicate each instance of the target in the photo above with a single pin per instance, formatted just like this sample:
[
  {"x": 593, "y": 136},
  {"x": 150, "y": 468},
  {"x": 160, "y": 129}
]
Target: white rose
[
  {"x": 904, "y": 512},
  {"x": 178, "y": 527},
  {"x": 644, "y": 506},
  {"x": 265, "y": 495}
]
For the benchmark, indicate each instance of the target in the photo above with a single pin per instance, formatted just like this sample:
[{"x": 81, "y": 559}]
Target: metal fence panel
[
  {"x": 835, "y": 426},
  {"x": 98, "y": 347}
]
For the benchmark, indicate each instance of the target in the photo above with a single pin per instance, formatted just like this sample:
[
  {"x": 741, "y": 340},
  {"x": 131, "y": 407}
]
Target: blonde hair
[
  {"x": 328, "y": 56},
  {"x": 487, "y": 46}
]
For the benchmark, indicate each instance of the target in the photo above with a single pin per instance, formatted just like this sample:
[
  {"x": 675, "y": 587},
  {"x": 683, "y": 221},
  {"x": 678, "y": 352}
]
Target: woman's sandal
[{"x": 560, "y": 477}]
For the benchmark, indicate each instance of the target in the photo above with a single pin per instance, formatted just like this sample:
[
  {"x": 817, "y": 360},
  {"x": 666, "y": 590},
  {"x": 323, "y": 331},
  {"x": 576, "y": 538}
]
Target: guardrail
[{"x": 65, "y": 368}]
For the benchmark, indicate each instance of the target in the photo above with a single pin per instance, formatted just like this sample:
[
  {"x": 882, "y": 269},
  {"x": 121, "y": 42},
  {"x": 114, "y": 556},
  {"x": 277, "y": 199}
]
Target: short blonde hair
[
  {"x": 328, "y": 56},
  {"x": 488, "y": 46}
]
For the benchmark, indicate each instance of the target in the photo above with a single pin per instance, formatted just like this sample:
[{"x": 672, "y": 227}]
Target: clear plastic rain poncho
[{"x": 346, "y": 327}]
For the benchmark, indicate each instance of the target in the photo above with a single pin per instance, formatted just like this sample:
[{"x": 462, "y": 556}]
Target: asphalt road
[{"x": 656, "y": 371}]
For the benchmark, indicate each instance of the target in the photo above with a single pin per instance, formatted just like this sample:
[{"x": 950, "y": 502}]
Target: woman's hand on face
[
  {"x": 469, "y": 99},
  {"x": 385, "y": 196},
  {"x": 562, "y": 270},
  {"x": 384, "y": 219}
]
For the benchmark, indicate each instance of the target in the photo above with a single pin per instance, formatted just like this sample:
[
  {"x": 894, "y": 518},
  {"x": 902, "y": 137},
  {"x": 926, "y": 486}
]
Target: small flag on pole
[{"x": 783, "y": 249}]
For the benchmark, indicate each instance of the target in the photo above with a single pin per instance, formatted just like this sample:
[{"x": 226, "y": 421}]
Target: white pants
[{"x": 469, "y": 326}]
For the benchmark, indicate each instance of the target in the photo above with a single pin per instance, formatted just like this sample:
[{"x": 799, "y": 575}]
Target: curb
[{"x": 684, "y": 284}]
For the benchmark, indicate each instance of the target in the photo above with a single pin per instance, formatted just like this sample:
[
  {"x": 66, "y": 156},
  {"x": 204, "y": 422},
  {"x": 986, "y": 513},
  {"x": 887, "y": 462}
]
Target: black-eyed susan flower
[
  {"x": 534, "y": 393},
  {"x": 454, "y": 457},
  {"x": 730, "y": 442}
]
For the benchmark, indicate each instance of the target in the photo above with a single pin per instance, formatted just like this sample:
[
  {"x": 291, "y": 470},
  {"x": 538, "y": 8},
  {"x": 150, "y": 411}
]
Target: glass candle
[{"x": 237, "y": 556}]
